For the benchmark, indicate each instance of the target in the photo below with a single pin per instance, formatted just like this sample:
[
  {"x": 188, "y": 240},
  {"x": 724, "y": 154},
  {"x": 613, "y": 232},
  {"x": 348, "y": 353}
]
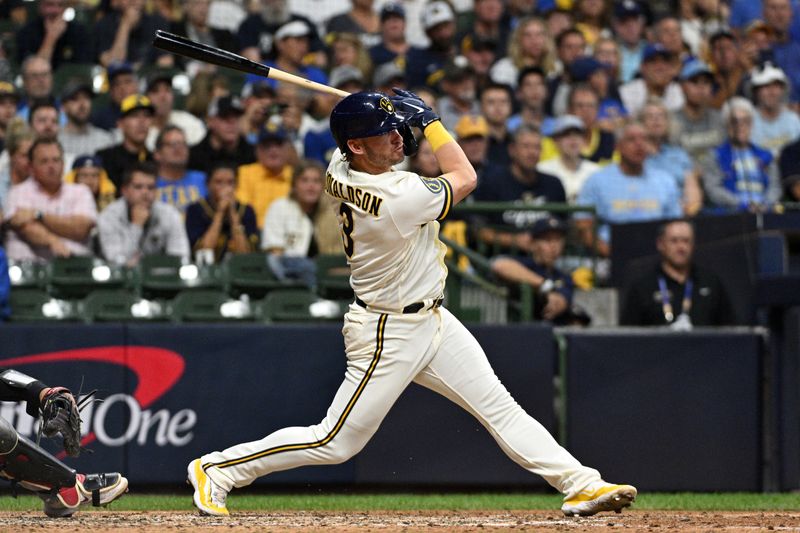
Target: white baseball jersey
[{"x": 390, "y": 233}]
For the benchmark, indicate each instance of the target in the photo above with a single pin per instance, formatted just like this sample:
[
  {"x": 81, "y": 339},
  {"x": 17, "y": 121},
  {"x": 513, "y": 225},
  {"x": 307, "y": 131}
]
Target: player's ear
[{"x": 355, "y": 146}]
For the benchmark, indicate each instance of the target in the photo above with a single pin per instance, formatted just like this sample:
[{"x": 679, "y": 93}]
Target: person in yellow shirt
[{"x": 270, "y": 177}]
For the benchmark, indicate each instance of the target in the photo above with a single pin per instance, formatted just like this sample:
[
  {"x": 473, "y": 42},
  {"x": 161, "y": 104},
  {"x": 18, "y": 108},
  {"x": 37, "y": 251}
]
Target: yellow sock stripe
[
  {"x": 291, "y": 447},
  {"x": 448, "y": 198},
  {"x": 437, "y": 135}
]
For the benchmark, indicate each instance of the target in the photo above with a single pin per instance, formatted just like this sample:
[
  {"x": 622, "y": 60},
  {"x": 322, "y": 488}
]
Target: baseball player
[
  {"x": 21, "y": 461},
  {"x": 397, "y": 331}
]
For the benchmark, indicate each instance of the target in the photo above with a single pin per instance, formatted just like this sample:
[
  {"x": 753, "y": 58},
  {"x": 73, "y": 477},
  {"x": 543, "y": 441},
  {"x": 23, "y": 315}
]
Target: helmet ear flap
[{"x": 410, "y": 145}]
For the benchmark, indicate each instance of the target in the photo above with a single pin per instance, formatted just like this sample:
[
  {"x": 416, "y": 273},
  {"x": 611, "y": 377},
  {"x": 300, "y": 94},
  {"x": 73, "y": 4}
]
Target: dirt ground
[{"x": 475, "y": 521}]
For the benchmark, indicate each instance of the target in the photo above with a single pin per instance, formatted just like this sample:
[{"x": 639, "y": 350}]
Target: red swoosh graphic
[{"x": 157, "y": 370}]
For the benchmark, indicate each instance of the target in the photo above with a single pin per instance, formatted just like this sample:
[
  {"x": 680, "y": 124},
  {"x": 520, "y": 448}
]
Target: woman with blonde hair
[
  {"x": 529, "y": 46},
  {"x": 301, "y": 226},
  {"x": 14, "y": 162},
  {"x": 347, "y": 49}
]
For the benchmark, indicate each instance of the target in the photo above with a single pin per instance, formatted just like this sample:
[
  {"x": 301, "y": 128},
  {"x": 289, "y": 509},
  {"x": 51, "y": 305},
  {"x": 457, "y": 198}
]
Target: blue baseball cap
[
  {"x": 392, "y": 9},
  {"x": 546, "y": 225},
  {"x": 628, "y": 8},
  {"x": 115, "y": 69},
  {"x": 272, "y": 132},
  {"x": 582, "y": 68},
  {"x": 652, "y": 51},
  {"x": 87, "y": 161},
  {"x": 693, "y": 68}
]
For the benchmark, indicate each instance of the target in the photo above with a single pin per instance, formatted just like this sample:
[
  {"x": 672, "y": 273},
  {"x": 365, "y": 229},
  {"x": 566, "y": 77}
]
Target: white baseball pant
[{"x": 385, "y": 352}]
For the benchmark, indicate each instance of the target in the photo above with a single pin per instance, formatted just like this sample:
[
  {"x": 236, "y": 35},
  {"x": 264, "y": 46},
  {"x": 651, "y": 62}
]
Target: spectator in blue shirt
[
  {"x": 741, "y": 175},
  {"x": 627, "y": 191},
  {"x": 393, "y": 43},
  {"x": 177, "y": 185}
]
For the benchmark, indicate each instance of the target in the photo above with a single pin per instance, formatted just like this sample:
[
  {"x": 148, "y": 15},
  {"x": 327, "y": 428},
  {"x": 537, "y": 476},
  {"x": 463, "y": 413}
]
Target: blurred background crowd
[{"x": 597, "y": 111}]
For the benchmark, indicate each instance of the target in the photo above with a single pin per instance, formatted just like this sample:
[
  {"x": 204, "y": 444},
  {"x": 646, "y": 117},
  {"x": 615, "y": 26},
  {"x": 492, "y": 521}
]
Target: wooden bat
[{"x": 217, "y": 56}]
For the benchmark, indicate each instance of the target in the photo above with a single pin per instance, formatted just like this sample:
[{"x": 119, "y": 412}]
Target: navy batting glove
[{"x": 416, "y": 112}]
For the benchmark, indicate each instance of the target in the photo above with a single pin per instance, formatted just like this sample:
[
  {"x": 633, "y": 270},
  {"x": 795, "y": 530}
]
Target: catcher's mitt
[{"x": 60, "y": 414}]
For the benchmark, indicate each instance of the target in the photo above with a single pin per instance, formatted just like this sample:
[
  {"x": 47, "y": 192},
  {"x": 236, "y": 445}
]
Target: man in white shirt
[
  {"x": 658, "y": 71},
  {"x": 159, "y": 91},
  {"x": 774, "y": 124}
]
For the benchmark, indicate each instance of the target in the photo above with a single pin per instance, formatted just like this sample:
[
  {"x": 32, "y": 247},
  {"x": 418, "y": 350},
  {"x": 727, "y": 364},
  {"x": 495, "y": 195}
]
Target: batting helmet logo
[{"x": 386, "y": 105}]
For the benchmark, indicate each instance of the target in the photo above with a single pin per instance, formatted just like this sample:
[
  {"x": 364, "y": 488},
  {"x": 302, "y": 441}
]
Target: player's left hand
[
  {"x": 416, "y": 112},
  {"x": 60, "y": 414}
]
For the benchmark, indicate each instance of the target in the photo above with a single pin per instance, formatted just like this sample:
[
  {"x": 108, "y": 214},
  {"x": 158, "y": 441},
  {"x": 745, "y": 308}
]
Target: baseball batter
[{"x": 397, "y": 331}]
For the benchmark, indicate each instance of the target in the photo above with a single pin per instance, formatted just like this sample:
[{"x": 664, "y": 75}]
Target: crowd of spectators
[{"x": 643, "y": 110}]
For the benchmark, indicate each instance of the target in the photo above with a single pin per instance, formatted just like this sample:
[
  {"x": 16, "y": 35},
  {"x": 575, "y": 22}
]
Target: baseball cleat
[
  {"x": 598, "y": 498},
  {"x": 96, "y": 489},
  {"x": 209, "y": 498}
]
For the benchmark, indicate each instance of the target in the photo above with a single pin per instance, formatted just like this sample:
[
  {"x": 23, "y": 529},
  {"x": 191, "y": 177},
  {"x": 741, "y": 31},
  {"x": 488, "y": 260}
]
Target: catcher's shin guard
[{"x": 30, "y": 465}]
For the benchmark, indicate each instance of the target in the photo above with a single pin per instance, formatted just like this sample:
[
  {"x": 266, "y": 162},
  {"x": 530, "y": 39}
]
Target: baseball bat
[{"x": 184, "y": 46}]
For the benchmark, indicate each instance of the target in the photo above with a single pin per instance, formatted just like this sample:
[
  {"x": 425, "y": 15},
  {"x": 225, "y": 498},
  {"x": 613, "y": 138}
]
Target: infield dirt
[{"x": 387, "y": 522}]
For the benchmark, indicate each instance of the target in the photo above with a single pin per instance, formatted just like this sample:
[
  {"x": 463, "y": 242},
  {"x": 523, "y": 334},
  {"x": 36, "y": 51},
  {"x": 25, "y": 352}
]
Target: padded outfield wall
[{"x": 663, "y": 411}]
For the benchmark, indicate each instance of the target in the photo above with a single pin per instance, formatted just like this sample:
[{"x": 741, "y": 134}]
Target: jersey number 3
[{"x": 347, "y": 228}]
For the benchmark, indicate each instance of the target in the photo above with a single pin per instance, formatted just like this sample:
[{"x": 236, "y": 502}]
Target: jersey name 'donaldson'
[{"x": 368, "y": 202}]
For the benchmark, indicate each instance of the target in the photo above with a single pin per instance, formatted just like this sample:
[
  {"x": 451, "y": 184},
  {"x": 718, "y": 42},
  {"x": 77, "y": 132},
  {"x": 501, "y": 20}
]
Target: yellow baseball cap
[
  {"x": 472, "y": 126},
  {"x": 135, "y": 102}
]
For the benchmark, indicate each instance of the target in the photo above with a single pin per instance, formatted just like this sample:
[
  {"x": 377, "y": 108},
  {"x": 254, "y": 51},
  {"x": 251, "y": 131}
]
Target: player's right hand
[{"x": 415, "y": 111}]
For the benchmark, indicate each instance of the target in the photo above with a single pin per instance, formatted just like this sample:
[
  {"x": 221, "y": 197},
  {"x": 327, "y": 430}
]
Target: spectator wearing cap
[
  {"x": 159, "y": 90},
  {"x": 393, "y": 43},
  {"x": 291, "y": 45},
  {"x": 554, "y": 288},
  {"x": 37, "y": 83},
  {"x": 741, "y": 175},
  {"x": 122, "y": 83},
  {"x": 177, "y": 185},
  {"x": 50, "y": 36},
  {"x": 774, "y": 124},
  {"x": 472, "y": 134},
  {"x": 318, "y": 141},
  {"x": 258, "y": 32},
  {"x": 425, "y": 66},
  {"x": 48, "y": 218},
  {"x": 9, "y": 98},
  {"x": 79, "y": 135},
  {"x": 487, "y": 25},
  {"x": 520, "y": 182},
  {"x": 137, "y": 224},
  {"x": 88, "y": 170},
  {"x": 496, "y": 107},
  {"x": 195, "y": 26},
  {"x": 125, "y": 34},
  {"x": 569, "y": 166},
  {"x": 258, "y": 101},
  {"x": 657, "y": 71},
  {"x": 727, "y": 65},
  {"x": 218, "y": 222},
  {"x": 627, "y": 191},
  {"x": 598, "y": 76},
  {"x": 531, "y": 97},
  {"x": 528, "y": 46},
  {"x": 697, "y": 126},
  {"x": 137, "y": 114},
  {"x": 224, "y": 140},
  {"x": 584, "y": 102},
  {"x": 459, "y": 89},
  {"x": 671, "y": 158},
  {"x": 270, "y": 177},
  {"x": 387, "y": 76},
  {"x": 361, "y": 20},
  {"x": 481, "y": 54}
]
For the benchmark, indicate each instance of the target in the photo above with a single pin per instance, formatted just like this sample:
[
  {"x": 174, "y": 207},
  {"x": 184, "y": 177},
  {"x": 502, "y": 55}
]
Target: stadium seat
[
  {"x": 207, "y": 306},
  {"x": 67, "y": 72},
  {"x": 119, "y": 306},
  {"x": 77, "y": 276},
  {"x": 333, "y": 277},
  {"x": 297, "y": 306},
  {"x": 34, "y": 305},
  {"x": 26, "y": 274},
  {"x": 164, "y": 276},
  {"x": 250, "y": 274}
]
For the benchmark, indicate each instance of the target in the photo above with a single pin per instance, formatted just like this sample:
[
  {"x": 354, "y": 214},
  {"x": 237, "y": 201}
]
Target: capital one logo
[{"x": 156, "y": 370}]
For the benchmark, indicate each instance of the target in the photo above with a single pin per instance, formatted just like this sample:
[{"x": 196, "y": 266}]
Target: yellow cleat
[
  {"x": 599, "y": 498},
  {"x": 208, "y": 497}
]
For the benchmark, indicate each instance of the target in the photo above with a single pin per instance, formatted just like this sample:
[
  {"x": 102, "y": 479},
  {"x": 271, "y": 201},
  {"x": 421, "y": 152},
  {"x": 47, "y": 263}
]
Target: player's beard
[{"x": 382, "y": 159}]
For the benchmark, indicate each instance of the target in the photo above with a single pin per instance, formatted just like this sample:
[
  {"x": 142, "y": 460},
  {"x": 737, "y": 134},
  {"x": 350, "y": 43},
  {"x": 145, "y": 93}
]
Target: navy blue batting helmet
[{"x": 364, "y": 114}]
